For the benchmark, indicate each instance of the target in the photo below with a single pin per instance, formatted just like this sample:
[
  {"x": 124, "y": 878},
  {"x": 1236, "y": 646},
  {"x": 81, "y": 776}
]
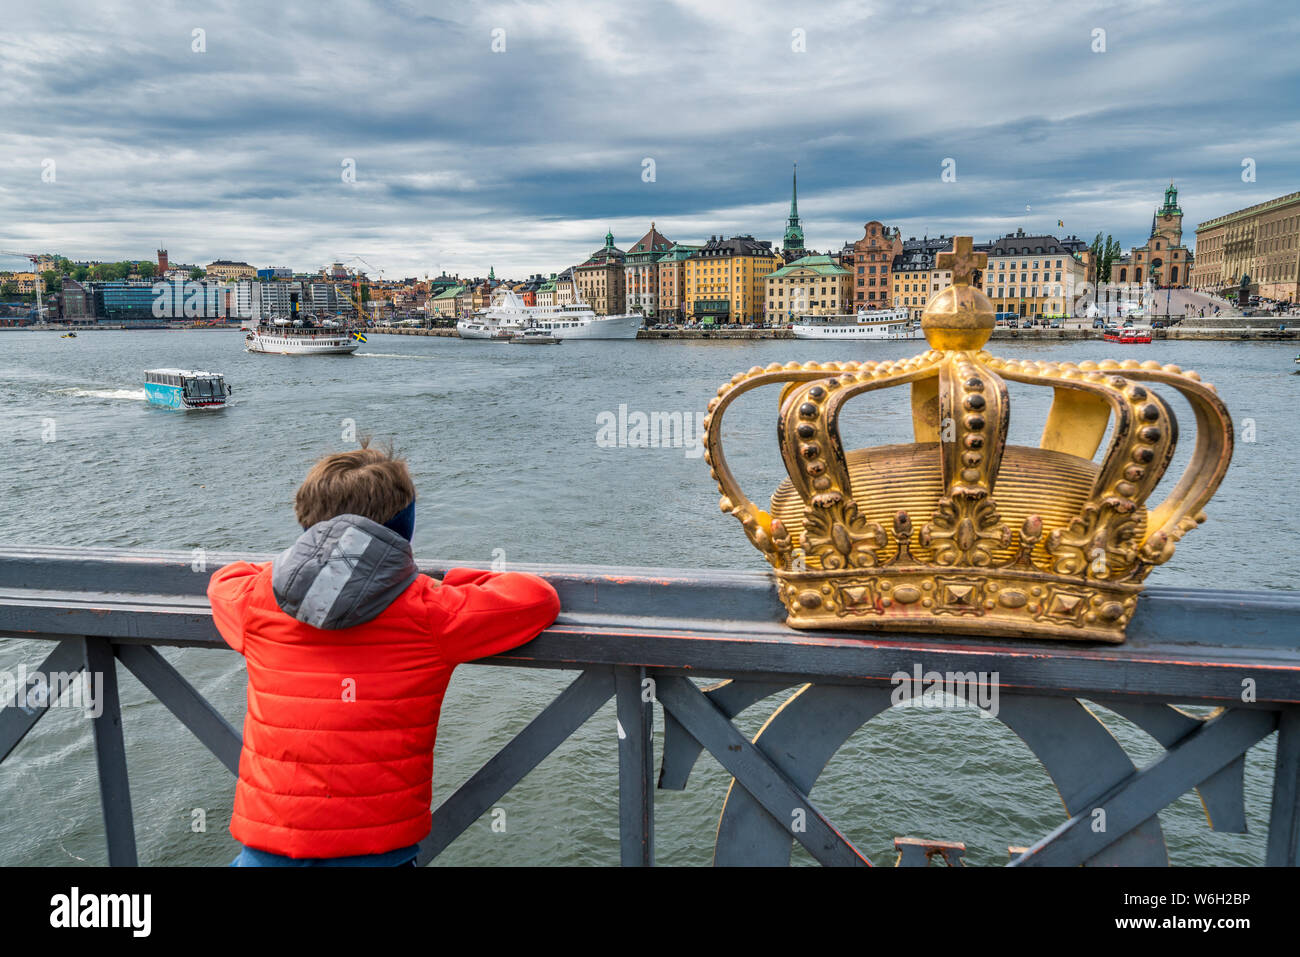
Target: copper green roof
[
  {"x": 451, "y": 292},
  {"x": 822, "y": 265}
]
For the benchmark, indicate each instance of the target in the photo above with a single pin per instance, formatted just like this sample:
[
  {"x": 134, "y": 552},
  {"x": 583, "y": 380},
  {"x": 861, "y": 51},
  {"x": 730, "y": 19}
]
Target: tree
[
  {"x": 81, "y": 273},
  {"x": 8, "y": 289},
  {"x": 197, "y": 273},
  {"x": 52, "y": 281},
  {"x": 146, "y": 270}
]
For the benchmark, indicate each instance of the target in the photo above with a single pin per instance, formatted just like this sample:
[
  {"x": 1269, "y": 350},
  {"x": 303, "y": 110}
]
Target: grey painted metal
[
  {"x": 182, "y": 700},
  {"x": 1210, "y": 747},
  {"x": 110, "y": 756},
  {"x": 568, "y": 712},
  {"x": 1222, "y": 793},
  {"x": 634, "y": 697},
  {"x": 19, "y": 718},
  {"x": 681, "y": 751},
  {"x": 1283, "y": 847},
  {"x": 786, "y": 803},
  {"x": 1193, "y": 647}
]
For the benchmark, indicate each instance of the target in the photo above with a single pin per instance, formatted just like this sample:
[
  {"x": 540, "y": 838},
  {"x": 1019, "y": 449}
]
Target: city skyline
[{"x": 522, "y": 159}]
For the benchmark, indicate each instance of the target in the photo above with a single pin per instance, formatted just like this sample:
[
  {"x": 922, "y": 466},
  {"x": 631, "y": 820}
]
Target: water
[{"x": 502, "y": 443}]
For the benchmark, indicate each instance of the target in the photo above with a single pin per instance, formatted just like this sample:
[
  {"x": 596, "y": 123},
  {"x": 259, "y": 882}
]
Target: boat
[
  {"x": 511, "y": 317},
  {"x": 1126, "y": 336},
  {"x": 68, "y": 335},
  {"x": 535, "y": 337},
  {"x": 296, "y": 335},
  {"x": 185, "y": 388},
  {"x": 864, "y": 324}
]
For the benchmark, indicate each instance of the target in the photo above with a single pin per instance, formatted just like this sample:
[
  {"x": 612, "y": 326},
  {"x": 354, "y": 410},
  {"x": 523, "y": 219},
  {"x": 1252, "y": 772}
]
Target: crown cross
[{"x": 962, "y": 261}]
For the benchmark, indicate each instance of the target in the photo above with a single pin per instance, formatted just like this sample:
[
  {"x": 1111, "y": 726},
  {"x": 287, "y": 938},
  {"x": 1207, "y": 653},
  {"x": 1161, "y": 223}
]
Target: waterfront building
[
  {"x": 163, "y": 263},
  {"x": 725, "y": 280},
  {"x": 546, "y": 292},
  {"x": 909, "y": 277},
  {"x": 672, "y": 281},
  {"x": 443, "y": 305},
  {"x": 564, "y": 288},
  {"x": 27, "y": 282},
  {"x": 811, "y": 286},
  {"x": 226, "y": 269},
  {"x": 1260, "y": 241},
  {"x": 1163, "y": 260},
  {"x": 641, "y": 272},
  {"x": 601, "y": 279},
  {"x": 1035, "y": 275},
  {"x": 792, "y": 247},
  {"x": 77, "y": 304},
  {"x": 275, "y": 297},
  {"x": 871, "y": 259},
  {"x": 274, "y": 272}
]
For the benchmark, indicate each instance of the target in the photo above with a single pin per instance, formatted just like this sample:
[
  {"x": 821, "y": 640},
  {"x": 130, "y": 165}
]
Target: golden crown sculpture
[{"x": 911, "y": 537}]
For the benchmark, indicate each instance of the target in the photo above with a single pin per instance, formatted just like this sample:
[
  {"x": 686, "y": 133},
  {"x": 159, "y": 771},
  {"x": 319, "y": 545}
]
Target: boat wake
[
  {"x": 391, "y": 355},
  {"x": 136, "y": 395}
]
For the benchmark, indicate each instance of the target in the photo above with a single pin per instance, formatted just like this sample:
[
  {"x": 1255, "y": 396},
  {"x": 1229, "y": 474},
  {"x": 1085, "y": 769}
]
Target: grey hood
[{"x": 342, "y": 572}]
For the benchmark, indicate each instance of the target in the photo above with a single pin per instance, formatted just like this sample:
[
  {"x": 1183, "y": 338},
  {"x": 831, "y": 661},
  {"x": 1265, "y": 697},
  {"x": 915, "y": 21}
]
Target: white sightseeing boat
[
  {"x": 577, "y": 321},
  {"x": 881, "y": 324},
  {"x": 301, "y": 338}
]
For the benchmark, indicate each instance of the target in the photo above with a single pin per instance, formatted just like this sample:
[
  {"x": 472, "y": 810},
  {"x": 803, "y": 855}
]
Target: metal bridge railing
[{"x": 640, "y": 635}]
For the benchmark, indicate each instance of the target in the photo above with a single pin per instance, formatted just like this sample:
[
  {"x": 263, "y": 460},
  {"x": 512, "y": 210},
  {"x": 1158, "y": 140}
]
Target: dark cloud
[{"x": 521, "y": 159}]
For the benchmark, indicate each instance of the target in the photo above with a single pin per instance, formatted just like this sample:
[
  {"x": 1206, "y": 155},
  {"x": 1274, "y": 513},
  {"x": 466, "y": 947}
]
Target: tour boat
[
  {"x": 1127, "y": 337},
  {"x": 68, "y": 335},
  {"x": 880, "y": 324},
  {"x": 534, "y": 337},
  {"x": 298, "y": 337},
  {"x": 185, "y": 389},
  {"x": 576, "y": 321}
]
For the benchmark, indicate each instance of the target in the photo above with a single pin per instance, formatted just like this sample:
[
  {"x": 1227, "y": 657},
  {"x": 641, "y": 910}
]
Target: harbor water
[{"x": 583, "y": 453}]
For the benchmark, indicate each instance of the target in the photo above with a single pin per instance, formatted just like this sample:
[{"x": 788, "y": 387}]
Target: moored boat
[
  {"x": 185, "y": 388},
  {"x": 510, "y": 317},
  {"x": 534, "y": 337},
  {"x": 880, "y": 324},
  {"x": 1127, "y": 336}
]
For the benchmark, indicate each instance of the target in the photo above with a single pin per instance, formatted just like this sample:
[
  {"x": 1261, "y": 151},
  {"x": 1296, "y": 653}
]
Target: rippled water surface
[{"x": 502, "y": 442}]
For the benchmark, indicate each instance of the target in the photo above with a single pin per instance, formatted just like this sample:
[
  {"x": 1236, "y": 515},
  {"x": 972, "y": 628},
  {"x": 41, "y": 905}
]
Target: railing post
[
  {"x": 110, "y": 756},
  {"x": 1283, "y": 848},
  {"x": 634, "y": 697}
]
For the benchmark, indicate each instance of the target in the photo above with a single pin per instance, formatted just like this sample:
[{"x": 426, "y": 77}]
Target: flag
[
  {"x": 359, "y": 337},
  {"x": 1060, "y": 224}
]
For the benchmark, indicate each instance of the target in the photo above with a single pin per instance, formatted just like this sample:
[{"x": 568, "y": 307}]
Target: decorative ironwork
[{"x": 639, "y": 638}]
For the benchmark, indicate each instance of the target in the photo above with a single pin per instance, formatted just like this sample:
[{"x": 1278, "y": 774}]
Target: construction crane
[
  {"x": 356, "y": 299},
  {"x": 40, "y": 308}
]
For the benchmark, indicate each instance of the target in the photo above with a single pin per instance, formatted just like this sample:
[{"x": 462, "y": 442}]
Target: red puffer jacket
[{"x": 349, "y": 652}]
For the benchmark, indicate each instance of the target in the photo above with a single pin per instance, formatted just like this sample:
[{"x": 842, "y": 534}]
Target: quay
[{"x": 639, "y": 635}]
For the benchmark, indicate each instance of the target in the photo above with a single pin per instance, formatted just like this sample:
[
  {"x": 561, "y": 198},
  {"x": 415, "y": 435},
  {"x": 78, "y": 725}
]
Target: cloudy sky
[{"x": 233, "y": 142}]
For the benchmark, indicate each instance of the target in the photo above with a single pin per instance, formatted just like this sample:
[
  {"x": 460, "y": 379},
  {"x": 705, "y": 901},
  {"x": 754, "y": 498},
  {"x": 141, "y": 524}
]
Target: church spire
[{"x": 793, "y": 241}]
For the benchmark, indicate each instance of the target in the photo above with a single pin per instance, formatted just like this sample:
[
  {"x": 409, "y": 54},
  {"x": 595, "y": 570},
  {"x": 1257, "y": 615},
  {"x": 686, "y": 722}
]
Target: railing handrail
[{"x": 1187, "y": 644}]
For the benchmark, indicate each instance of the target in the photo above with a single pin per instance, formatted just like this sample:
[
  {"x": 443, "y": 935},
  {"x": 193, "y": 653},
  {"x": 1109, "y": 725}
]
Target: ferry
[
  {"x": 880, "y": 324},
  {"x": 1127, "y": 336},
  {"x": 535, "y": 337},
  {"x": 299, "y": 336},
  {"x": 576, "y": 321},
  {"x": 296, "y": 339},
  {"x": 185, "y": 389}
]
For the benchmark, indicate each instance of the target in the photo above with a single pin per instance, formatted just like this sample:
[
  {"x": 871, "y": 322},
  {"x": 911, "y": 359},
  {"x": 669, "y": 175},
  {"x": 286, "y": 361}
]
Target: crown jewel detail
[{"x": 959, "y": 532}]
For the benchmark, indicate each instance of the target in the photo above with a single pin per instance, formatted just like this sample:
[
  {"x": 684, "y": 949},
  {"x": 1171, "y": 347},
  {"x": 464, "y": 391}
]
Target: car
[{"x": 1099, "y": 323}]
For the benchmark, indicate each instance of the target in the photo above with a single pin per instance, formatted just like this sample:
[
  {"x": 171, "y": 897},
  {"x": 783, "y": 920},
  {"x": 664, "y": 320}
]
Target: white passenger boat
[
  {"x": 881, "y": 324},
  {"x": 577, "y": 321},
  {"x": 185, "y": 388},
  {"x": 302, "y": 337}
]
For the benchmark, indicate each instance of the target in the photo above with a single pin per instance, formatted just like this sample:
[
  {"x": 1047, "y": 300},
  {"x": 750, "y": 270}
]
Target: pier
[{"x": 640, "y": 635}]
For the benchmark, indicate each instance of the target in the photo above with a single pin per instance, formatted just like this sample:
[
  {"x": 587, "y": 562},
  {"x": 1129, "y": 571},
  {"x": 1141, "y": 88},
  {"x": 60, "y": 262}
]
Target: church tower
[
  {"x": 1168, "y": 221},
  {"x": 792, "y": 244}
]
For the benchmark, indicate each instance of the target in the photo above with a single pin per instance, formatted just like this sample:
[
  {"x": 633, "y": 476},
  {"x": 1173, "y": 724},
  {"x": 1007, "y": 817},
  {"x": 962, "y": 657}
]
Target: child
[{"x": 349, "y": 651}]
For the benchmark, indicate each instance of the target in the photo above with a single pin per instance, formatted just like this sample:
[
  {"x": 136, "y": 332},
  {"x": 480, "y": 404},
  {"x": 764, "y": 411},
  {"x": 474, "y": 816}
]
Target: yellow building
[
  {"x": 725, "y": 280},
  {"x": 225, "y": 269},
  {"x": 1035, "y": 276},
  {"x": 1261, "y": 241},
  {"x": 811, "y": 286}
]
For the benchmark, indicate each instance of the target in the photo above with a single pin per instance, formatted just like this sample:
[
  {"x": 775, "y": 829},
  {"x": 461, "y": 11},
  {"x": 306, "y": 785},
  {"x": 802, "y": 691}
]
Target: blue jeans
[{"x": 252, "y": 857}]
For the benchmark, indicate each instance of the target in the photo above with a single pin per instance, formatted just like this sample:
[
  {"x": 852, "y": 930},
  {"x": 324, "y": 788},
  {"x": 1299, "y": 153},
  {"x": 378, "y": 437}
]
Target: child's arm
[
  {"x": 228, "y": 591},
  {"x": 477, "y": 614}
]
